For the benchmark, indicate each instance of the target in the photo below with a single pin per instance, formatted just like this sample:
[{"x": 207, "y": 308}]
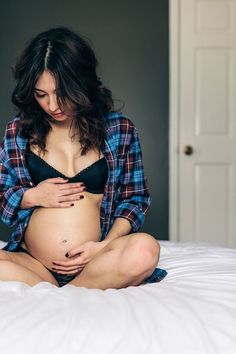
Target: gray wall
[{"x": 130, "y": 39}]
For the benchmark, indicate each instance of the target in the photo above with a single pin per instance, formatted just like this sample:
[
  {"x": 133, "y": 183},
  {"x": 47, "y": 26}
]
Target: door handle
[{"x": 188, "y": 150}]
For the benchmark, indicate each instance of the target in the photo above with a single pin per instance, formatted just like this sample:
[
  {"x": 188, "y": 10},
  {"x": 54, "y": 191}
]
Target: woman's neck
[{"x": 63, "y": 131}]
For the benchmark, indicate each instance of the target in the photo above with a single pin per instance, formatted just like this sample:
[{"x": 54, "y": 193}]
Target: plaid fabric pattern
[
  {"x": 125, "y": 195},
  {"x": 158, "y": 275}
]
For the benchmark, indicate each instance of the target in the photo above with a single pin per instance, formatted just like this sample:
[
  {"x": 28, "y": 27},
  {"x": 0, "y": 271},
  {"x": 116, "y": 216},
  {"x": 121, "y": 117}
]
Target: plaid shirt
[{"x": 125, "y": 194}]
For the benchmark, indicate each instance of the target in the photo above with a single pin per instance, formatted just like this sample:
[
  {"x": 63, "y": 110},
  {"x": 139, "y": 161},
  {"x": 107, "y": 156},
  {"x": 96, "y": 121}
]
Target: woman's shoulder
[
  {"x": 118, "y": 122},
  {"x": 10, "y": 132},
  {"x": 12, "y": 127},
  {"x": 9, "y": 135}
]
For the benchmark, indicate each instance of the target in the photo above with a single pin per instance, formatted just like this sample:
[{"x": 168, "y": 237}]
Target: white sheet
[{"x": 192, "y": 311}]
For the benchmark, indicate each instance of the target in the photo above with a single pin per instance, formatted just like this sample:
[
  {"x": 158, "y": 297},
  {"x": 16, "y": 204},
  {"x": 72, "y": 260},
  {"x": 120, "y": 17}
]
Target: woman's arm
[
  {"x": 120, "y": 227},
  {"x": 11, "y": 187},
  {"x": 10, "y": 196},
  {"x": 16, "y": 200},
  {"x": 28, "y": 200},
  {"x": 133, "y": 199}
]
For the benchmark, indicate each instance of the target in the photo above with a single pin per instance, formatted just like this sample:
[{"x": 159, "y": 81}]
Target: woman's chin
[{"x": 60, "y": 121}]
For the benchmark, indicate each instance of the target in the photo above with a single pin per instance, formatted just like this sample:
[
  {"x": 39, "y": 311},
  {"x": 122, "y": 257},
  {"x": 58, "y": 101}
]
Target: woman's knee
[{"x": 142, "y": 254}]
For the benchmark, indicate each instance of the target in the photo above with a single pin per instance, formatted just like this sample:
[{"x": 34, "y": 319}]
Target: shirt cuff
[{"x": 132, "y": 213}]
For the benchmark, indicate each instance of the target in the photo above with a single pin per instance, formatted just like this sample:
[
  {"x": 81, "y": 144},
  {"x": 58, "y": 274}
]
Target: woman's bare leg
[
  {"x": 125, "y": 261},
  {"x": 13, "y": 271},
  {"x": 19, "y": 266}
]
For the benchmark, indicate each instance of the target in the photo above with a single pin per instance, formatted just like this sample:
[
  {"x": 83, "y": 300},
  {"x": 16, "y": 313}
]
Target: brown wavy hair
[{"x": 72, "y": 62}]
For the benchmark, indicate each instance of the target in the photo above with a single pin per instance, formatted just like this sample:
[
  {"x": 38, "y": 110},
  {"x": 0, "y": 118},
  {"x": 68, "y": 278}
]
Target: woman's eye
[{"x": 39, "y": 96}]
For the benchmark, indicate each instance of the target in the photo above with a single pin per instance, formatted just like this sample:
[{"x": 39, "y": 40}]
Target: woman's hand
[
  {"x": 57, "y": 193},
  {"x": 78, "y": 257}
]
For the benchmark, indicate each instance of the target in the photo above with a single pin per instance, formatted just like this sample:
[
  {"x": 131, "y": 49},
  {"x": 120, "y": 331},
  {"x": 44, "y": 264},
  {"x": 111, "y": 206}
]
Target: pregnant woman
[{"x": 72, "y": 182}]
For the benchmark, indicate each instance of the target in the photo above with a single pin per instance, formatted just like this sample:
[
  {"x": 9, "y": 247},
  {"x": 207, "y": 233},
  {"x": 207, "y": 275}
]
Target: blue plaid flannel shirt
[{"x": 125, "y": 194}]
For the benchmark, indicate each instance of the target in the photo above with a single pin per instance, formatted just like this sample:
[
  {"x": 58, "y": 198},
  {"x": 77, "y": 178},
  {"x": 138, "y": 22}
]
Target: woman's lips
[{"x": 57, "y": 114}]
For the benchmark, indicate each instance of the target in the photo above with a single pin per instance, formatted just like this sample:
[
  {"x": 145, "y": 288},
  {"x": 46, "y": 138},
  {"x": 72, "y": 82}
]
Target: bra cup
[{"x": 94, "y": 176}]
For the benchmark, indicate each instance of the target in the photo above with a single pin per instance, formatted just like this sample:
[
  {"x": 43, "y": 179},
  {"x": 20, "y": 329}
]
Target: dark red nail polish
[
  {"x": 82, "y": 197},
  {"x": 67, "y": 254},
  {"x": 72, "y": 204}
]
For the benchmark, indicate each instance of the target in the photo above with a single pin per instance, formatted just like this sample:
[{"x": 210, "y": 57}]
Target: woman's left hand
[{"x": 78, "y": 257}]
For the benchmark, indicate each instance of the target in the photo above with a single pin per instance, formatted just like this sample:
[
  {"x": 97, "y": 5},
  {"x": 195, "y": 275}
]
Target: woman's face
[{"x": 45, "y": 95}]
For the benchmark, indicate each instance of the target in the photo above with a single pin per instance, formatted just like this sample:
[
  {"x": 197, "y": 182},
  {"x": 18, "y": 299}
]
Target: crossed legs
[{"x": 125, "y": 261}]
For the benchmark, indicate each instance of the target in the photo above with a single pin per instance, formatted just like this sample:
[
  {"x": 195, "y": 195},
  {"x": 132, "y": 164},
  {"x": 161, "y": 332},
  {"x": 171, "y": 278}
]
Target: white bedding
[{"x": 193, "y": 310}]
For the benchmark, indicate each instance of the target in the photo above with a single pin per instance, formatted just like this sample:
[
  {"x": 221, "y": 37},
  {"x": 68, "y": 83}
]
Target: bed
[{"x": 192, "y": 311}]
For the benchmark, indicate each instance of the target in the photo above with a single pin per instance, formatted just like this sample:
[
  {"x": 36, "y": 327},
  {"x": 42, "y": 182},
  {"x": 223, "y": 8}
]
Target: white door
[{"x": 203, "y": 121}]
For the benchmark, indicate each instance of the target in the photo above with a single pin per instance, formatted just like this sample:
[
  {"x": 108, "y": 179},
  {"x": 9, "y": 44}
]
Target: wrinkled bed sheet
[{"x": 192, "y": 311}]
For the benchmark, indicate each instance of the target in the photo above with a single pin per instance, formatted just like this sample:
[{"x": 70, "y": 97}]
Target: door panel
[{"x": 212, "y": 194}]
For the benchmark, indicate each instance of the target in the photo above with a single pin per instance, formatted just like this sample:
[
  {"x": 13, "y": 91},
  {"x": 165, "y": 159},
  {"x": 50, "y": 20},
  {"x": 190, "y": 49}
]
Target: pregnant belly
[{"x": 52, "y": 232}]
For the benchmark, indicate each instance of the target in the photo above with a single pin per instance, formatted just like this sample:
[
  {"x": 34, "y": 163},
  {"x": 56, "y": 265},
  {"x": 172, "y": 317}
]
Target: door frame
[{"x": 174, "y": 118}]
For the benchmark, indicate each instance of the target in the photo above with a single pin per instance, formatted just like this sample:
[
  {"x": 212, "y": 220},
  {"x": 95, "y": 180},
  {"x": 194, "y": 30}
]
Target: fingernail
[
  {"x": 67, "y": 254},
  {"x": 72, "y": 204},
  {"x": 84, "y": 189},
  {"x": 81, "y": 197}
]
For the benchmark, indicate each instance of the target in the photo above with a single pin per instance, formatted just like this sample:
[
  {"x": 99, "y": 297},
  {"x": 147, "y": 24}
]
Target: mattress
[{"x": 192, "y": 311}]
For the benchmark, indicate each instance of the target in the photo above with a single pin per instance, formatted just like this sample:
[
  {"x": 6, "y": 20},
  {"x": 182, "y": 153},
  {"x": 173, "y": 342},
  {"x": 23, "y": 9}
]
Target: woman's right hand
[{"x": 57, "y": 193}]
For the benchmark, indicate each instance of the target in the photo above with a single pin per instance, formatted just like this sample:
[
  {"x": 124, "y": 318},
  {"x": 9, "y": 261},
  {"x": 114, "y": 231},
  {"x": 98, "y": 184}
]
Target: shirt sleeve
[
  {"x": 133, "y": 197},
  {"x": 10, "y": 195}
]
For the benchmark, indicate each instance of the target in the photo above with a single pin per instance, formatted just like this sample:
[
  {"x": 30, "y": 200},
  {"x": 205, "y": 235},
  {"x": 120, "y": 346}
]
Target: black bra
[{"x": 94, "y": 176}]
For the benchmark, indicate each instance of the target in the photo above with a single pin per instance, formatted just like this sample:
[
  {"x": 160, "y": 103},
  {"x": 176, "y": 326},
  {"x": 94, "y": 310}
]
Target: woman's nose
[{"x": 52, "y": 104}]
